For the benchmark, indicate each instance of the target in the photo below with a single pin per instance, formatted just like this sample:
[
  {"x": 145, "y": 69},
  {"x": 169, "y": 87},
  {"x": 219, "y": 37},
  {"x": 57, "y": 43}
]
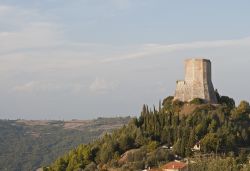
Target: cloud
[
  {"x": 46, "y": 87},
  {"x": 100, "y": 86},
  {"x": 4, "y": 9},
  {"x": 153, "y": 49},
  {"x": 14, "y": 18},
  {"x": 34, "y": 35},
  {"x": 41, "y": 47},
  {"x": 25, "y": 29}
]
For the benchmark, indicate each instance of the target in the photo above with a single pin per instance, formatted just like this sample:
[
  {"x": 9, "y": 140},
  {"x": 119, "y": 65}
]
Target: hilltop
[
  {"x": 29, "y": 144},
  {"x": 167, "y": 133}
]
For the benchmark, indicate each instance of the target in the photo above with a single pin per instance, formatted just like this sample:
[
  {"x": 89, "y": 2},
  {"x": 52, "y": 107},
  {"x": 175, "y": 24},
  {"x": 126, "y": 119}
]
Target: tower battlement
[{"x": 197, "y": 83}]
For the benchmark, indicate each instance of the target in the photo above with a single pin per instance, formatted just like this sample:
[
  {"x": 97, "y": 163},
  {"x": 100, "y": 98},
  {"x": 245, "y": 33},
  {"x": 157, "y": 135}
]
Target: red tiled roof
[
  {"x": 174, "y": 165},
  {"x": 155, "y": 169}
]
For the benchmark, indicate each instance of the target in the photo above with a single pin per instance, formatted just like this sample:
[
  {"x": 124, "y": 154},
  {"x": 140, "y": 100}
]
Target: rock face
[{"x": 197, "y": 83}]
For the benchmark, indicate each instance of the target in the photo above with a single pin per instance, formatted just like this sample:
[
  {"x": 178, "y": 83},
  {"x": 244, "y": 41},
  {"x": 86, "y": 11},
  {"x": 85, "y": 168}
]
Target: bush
[
  {"x": 168, "y": 101},
  {"x": 197, "y": 101},
  {"x": 152, "y": 146},
  {"x": 225, "y": 100}
]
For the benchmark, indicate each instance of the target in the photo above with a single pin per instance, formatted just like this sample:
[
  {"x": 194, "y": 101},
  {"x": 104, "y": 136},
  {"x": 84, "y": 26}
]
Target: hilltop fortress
[{"x": 197, "y": 83}]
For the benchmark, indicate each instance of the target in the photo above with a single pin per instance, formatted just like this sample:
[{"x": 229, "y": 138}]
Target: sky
[{"x": 83, "y": 59}]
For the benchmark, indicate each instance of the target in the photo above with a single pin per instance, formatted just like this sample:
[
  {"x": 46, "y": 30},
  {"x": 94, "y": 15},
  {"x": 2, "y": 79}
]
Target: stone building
[{"x": 197, "y": 83}]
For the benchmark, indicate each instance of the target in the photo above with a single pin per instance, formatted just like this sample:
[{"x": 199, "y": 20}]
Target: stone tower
[{"x": 197, "y": 83}]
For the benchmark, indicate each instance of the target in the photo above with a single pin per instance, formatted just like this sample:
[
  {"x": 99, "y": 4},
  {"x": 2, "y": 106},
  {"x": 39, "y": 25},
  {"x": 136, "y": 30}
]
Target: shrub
[{"x": 197, "y": 101}]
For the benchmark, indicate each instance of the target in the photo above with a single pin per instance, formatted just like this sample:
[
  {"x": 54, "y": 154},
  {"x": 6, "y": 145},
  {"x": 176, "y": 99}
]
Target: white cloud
[
  {"x": 15, "y": 18},
  {"x": 4, "y": 9},
  {"x": 100, "y": 85},
  {"x": 41, "y": 47},
  {"x": 25, "y": 29},
  {"x": 34, "y": 35},
  {"x": 153, "y": 49},
  {"x": 37, "y": 45},
  {"x": 46, "y": 86}
]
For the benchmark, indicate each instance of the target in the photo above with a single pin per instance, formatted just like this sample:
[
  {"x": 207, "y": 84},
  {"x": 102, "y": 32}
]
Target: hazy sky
[{"x": 80, "y": 59}]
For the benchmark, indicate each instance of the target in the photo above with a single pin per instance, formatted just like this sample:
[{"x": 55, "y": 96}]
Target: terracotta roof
[
  {"x": 156, "y": 169},
  {"x": 174, "y": 165}
]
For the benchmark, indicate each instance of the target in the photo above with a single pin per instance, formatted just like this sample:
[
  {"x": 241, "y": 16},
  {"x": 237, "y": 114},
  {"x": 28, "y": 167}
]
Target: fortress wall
[
  {"x": 198, "y": 83},
  {"x": 198, "y": 79},
  {"x": 208, "y": 85},
  {"x": 193, "y": 70},
  {"x": 207, "y": 80},
  {"x": 180, "y": 90}
]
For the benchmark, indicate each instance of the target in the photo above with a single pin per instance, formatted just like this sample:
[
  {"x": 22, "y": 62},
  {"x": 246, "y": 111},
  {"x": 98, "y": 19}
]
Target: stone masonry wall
[{"x": 197, "y": 83}]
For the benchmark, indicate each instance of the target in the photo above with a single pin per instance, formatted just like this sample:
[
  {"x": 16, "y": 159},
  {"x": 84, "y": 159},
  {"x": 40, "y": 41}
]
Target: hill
[
  {"x": 168, "y": 133},
  {"x": 29, "y": 144}
]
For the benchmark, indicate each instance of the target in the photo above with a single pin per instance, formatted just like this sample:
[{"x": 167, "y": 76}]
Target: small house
[{"x": 197, "y": 147}]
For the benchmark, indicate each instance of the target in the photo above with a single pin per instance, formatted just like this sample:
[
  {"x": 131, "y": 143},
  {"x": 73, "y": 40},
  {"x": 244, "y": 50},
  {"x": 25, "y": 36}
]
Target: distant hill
[{"x": 25, "y": 145}]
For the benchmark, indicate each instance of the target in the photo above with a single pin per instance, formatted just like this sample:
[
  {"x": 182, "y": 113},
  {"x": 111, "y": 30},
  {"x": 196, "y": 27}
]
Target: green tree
[
  {"x": 242, "y": 111},
  {"x": 210, "y": 143}
]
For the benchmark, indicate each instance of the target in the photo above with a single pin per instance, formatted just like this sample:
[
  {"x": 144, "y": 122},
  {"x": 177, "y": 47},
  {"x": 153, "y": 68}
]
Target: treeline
[{"x": 223, "y": 128}]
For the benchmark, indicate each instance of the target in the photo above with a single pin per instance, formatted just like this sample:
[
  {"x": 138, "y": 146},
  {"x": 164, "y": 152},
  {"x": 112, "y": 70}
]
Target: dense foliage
[
  {"x": 218, "y": 164},
  {"x": 221, "y": 129},
  {"x": 28, "y": 147}
]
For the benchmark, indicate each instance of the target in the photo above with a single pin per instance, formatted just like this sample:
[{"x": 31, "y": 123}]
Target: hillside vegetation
[
  {"x": 26, "y": 145},
  {"x": 222, "y": 129}
]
